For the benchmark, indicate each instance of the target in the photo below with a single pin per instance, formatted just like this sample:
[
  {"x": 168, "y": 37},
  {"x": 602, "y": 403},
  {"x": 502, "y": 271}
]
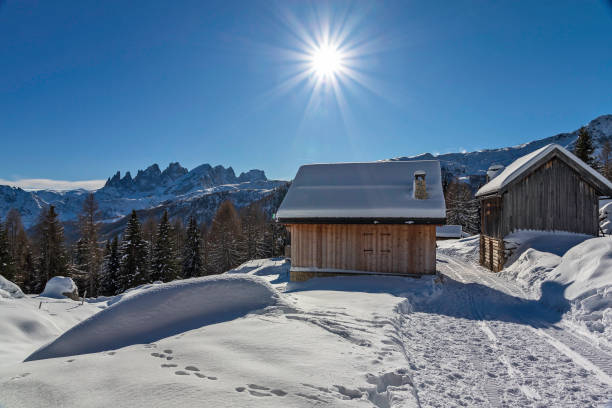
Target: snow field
[{"x": 464, "y": 338}]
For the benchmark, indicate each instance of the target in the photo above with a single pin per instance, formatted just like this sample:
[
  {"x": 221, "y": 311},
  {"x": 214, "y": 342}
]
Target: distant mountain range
[
  {"x": 472, "y": 166},
  {"x": 174, "y": 188},
  {"x": 199, "y": 191}
]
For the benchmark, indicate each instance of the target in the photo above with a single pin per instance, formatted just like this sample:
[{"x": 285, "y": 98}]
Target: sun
[{"x": 327, "y": 61}]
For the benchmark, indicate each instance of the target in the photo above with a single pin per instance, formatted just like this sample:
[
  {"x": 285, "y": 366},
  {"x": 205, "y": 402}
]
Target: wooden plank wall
[
  {"x": 492, "y": 253},
  {"x": 490, "y": 217},
  {"x": 552, "y": 198},
  {"x": 398, "y": 249}
]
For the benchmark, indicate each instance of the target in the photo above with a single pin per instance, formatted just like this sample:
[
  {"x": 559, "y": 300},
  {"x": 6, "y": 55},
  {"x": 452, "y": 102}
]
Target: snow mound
[
  {"x": 9, "y": 290},
  {"x": 58, "y": 286},
  {"x": 163, "y": 310}
]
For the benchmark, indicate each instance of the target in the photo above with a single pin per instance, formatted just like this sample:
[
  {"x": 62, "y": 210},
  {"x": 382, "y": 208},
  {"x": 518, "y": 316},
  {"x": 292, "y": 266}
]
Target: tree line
[{"x": 150, "y": 251}]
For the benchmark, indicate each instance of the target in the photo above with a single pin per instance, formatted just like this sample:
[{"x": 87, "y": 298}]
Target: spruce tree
[
  {"x": 193, "y": 264},
  {"x": 7, "y": 263},
  {"x": 134, "y": 266},
  {"x": 111, "y": 269},
  {"x": 584, "y": 146},
  {"x": 164, "y": 266},
  {"x": 52, "y": 260}
]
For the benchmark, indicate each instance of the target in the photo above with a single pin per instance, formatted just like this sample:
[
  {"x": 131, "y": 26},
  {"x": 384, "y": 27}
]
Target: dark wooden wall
[
  {"x": 552, "y": 198},
  {"x": 398, "y": 249}
]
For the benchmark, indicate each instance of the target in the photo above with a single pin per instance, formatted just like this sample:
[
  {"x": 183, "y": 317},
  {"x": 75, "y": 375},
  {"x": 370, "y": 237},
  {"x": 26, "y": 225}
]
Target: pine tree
[
  {"x": 7, "y": 263},
  {"x": 164, "y": 260},
  {"x": 52, "y": 260},
  {"x": 111, "y": 268},
  {"x": 584, "y": 146},
  {"x": 134, "y": 267},
  {"x": 224, "y": 239},
  {"x": 193, "y": 264},
  {"x": 89, "y": 253}
]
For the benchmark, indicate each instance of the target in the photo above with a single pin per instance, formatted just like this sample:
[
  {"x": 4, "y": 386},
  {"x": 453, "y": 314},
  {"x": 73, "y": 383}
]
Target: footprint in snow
[
  {"x": 111, "y": 353},
  {"x": 168, "y": 351},
  {"x": 168, "y": 365},
  {"x": 259, "y": 394},
  {"x": 181, "y": 372},
  {"x": 258, "y": 387},
  {"x": 192, "y": 368},
  {"x": 20, "y": 376},
  {"x": 70, "y": 361}
]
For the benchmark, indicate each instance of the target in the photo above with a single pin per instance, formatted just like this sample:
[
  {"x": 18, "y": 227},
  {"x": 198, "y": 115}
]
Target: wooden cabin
[
  {"x": 549, "y": 189},
  {"x": 364, "y": 218}
]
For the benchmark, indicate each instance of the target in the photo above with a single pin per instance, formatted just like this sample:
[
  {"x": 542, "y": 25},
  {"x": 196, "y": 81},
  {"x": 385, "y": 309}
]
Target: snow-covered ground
[{"x": 464, "y": 338}]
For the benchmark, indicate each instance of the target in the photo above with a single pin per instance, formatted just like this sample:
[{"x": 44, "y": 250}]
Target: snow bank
[
  {"x": 585, "y": 270},
  {"x": 9, "y": 290},
  {"x": 58, "y": 286},
  {"x": 161, "y": 311}
]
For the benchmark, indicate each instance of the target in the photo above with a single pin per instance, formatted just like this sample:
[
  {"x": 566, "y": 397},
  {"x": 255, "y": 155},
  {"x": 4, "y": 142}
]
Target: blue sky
[{"x": 88, "y": 87}]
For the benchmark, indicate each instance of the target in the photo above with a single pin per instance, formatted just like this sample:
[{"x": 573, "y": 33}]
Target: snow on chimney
[
  {"x": 494, "y": 171},
  {"x": 420, "y": 187}
]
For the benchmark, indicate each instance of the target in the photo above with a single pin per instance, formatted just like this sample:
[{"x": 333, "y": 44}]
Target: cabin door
[{"x": 377, "y": 253}]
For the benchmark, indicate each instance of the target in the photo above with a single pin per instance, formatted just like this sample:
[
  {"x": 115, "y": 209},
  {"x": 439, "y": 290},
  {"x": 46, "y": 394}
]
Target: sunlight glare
[{"x": 326, "y": 60}]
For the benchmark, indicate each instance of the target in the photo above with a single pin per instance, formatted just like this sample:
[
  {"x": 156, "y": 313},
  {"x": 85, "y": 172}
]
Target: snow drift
[
  {"x": 161, "y": 311},
  {"x": 59, "y": 286},
  {"x": 8, "y": 289},
  {"x": 584, "y": 270}
]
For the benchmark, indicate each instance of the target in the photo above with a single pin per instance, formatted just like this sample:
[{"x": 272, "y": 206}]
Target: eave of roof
[{"x": 379, "y": 220}]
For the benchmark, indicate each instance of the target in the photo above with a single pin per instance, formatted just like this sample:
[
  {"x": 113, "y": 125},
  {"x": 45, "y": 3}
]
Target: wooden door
[
  {"x": 385, "y": 254},
  {"x": 369, "y": 250}
]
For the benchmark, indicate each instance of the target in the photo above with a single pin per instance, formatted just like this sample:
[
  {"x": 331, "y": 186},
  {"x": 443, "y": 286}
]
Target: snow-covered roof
[
  {"x": 448, "y": 231},
  {"x": 523, "y": 164},
  {"x": 364, "y": 192}
]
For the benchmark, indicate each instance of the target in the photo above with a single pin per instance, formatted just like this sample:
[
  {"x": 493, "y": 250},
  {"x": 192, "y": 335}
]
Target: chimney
[
  {"x": 420, "y": 187},
  {"x": 494, "y": 171}
]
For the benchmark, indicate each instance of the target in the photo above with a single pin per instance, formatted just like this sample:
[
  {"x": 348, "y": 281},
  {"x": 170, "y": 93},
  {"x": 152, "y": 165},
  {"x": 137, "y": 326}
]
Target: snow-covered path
[{"x": 526, "y": 356}]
